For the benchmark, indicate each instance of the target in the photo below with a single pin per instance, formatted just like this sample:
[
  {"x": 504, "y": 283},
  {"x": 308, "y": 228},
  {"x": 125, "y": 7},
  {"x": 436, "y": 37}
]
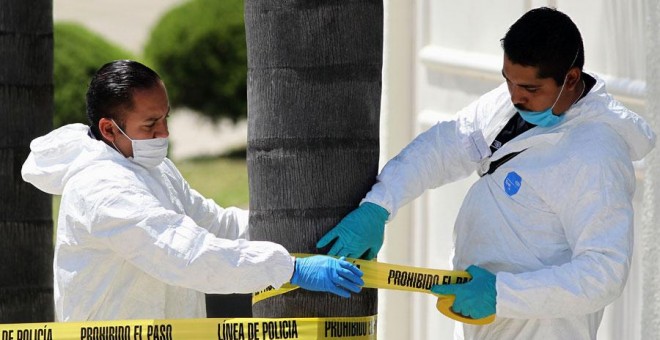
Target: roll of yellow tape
[{"x": 444, "y": 306}]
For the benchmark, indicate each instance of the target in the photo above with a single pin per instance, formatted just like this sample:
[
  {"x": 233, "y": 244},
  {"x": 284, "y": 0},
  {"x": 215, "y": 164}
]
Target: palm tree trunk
[
  {"x": 314, "y": 84},
  {"x": 26, "y": 111}
]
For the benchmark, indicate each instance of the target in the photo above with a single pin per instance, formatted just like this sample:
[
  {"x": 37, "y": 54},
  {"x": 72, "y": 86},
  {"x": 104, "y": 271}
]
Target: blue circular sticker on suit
[{"x": 512, "y": 183}]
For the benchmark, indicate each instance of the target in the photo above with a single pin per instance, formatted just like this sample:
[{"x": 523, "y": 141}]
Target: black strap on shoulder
[
  {"x": 513, "y": 128},
  {"x": 496, "y": 164}
]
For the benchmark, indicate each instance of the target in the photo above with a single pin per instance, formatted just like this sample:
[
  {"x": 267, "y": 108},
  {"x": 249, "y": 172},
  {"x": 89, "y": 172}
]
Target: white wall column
[
  {"x": 394, "y": 308},
  {"x": 651, "y": 207}
]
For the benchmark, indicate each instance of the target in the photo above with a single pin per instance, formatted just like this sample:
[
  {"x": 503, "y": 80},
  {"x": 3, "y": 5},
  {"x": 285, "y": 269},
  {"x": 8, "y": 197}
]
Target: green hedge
[
  {"x": 78, "y": 54},
  {"x": 199, "y": 50}
]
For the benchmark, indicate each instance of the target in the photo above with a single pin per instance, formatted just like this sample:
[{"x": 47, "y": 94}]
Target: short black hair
[
  {"x": 547, "y": 39},
  {"x": 110, "y": 91}
]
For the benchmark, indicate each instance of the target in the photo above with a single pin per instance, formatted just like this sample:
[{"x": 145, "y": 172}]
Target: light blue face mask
[
  {"x": 546, "y": 118},
  {"x": 543, "y": 118}
]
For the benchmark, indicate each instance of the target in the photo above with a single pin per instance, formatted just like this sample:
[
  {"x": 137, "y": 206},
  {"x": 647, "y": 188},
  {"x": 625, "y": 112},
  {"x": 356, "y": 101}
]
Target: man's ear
[
  {"x": 106, "y": 128},
  {"x": 573, "y": 78}
]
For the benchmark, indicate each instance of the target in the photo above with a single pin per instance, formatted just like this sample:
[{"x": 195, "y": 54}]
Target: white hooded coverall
[
  {"x": 138, "y": 243},
  {"x": 554, "y": 223}
]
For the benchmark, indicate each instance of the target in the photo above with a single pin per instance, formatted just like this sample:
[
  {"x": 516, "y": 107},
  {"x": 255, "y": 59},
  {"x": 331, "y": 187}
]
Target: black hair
[
  {"x": 547, "y": 39},
  {"x": 110, "y": 91}
]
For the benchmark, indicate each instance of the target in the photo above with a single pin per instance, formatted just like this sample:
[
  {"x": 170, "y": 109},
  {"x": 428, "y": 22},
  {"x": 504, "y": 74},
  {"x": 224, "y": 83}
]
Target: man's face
[
  {"x": 147, "y": 118},
  {"x": 528, "y": 92}
]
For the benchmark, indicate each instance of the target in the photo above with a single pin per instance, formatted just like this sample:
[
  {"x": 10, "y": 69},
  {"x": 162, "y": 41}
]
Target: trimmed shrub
[
  {"x": 199, "y": 50},
  {"x": 78, "y": 54}
]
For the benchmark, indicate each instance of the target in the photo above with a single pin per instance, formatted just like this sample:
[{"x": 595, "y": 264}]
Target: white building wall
[
  {"x": 439, "y": 56},
  {"x": 650, "y": 214},
  {"x": 395, "y": 308}
]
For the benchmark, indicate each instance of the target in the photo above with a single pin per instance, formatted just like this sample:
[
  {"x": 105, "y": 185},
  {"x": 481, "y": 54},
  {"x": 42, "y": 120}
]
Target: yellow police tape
[
  {"x": 219, "y": 329},
  {"x": 376, "y": 275},
  {"x": 390, "y": 276}
]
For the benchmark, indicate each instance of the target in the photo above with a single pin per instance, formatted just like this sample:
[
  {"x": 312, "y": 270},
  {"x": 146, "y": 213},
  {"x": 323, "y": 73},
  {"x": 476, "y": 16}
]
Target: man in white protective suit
[
  {"x": 134, "y": 241},
  {"x": 547, "y": 230}
]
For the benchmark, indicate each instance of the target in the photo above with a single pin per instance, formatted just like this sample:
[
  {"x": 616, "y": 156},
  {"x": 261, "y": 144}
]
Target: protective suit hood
[
  {"x": 61, "y": 154},
  {"x": 598, "y": 105}
]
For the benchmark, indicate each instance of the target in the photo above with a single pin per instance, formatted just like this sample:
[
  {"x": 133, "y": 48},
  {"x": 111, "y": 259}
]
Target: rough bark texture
[
  {"x": 26, "y": 108},
  {"x": 314, "y": 85}
]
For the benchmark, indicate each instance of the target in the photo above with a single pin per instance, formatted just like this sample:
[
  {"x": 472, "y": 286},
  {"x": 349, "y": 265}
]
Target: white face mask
[{"x": 146, "y": 152}]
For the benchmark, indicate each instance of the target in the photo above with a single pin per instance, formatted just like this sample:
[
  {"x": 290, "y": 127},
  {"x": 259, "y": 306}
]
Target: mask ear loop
[
  {"x": 120, "y": 130},
  {"x": 116, "y": 148},
  {"x": 583, "y": 84},
  {"x": 566, "y": 78},
  {"x": 123, "y": 133},
  {"x": 572, "y": 64}
]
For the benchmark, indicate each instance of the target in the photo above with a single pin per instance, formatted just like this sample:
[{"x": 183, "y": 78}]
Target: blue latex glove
[
  {"x": 359, "y": 234},
  {"x": 327, "y": 274},
  {"x": 475, "y": 298}
]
